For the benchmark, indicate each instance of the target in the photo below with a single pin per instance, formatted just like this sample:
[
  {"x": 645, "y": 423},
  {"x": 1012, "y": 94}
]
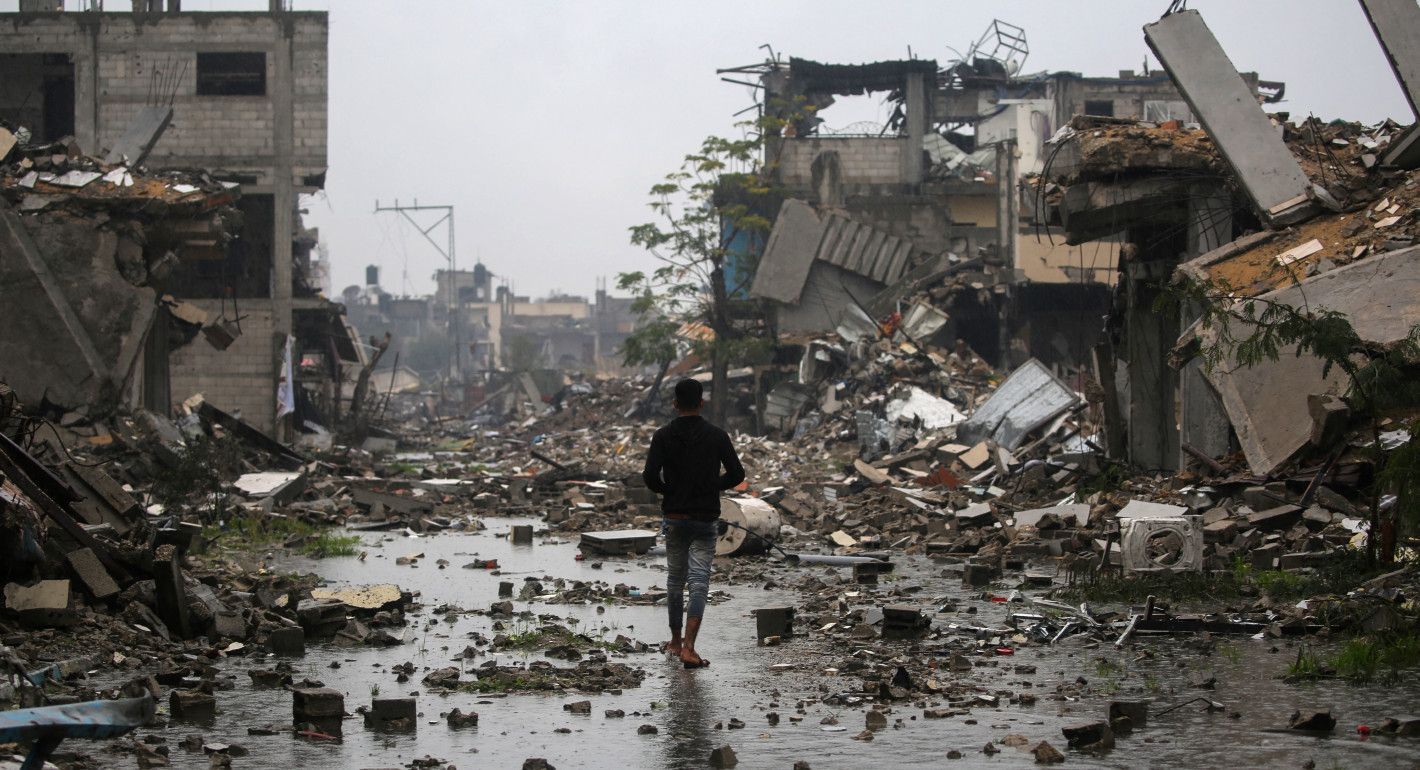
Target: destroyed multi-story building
[
  {"x": 1252, "y": 206},
  {"x": 239, "y": 94},
  {"x": 939, "y": 192}
]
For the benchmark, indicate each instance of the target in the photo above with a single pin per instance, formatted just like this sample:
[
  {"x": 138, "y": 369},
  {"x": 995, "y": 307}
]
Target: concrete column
[
  {"x": 915, "y": 102},
  {"x": 86, "y": 85},
  {"x": 283, "y": 183},
  {"x": 1007, "y": 201},
  {"x": 1204, "y": 425},
  {"x": 283, "y": 94},
  {"x": 1153, "y": 431}
]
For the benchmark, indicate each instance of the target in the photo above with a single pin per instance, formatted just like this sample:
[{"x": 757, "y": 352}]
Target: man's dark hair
[{"x": 689, "y": 394}]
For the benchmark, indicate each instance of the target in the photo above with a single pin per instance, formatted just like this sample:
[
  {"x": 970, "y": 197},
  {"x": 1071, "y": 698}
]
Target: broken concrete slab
[
  {"x": 407, "y": 505},
  {"x": 281, "y": 487},
  {"x": 1280, "y": 517},
  {"x": 321, "y": 706},
  {"x": 192, "y": 705},
  {"x": 367, "y": 597},
  {"x": 619, "y": 542},
  {"x": 287, "y": 642},
  {"x": 1268, "y": 403},
  {"x": 870, "y": 474},
  {"x": 976, "y": 456},
  {"x": 80, "y": 324},
  {"x": 1396, "y": 24},
  {"x": 773, "y": 621},
  {"x": 788, "y": 254},
  {"x": 392, "y": 714},
  {"x": 171, "y": 592},
  {"x": 43, "y": 595},
  {"x": 91, "y": 573},
  {"x": 1143, "y": 509},
  {"x": 104, "y": 501},
  {"x": 1078, "y": 513},
  {"x": 1229, "y": 112},
  {"x": 138, "y": 138}
]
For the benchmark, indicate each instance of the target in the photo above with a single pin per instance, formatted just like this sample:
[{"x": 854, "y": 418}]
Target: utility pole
[{"x": 450, "y": 290}]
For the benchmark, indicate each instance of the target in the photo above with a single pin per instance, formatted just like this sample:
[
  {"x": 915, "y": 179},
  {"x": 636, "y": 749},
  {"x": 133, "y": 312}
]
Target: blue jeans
[{"x": 690, "y": 547}]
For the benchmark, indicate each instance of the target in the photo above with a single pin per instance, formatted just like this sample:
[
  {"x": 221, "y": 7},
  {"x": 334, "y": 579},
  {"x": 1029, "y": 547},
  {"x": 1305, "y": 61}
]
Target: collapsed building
[
  {"x": 1312, "y": 216},
  {"x": 937, "y": 194},
  {"x": 241, "y": 96}
]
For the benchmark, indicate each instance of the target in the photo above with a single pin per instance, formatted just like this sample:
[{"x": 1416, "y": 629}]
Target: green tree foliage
[
  {"x": 1381, "y": 382},
  {"x": 719, "y": 195}
]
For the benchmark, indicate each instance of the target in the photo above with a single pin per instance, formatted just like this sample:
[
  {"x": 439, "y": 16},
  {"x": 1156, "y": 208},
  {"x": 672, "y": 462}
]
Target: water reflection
[{"x": 689, "y": 741}]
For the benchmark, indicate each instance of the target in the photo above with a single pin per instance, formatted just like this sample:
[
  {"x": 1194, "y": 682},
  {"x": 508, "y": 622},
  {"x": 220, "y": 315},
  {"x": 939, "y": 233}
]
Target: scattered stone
[
  {"x": 192, "y": 704},
  {"x": 647, "y": 730},
  {"x": 1045, "y": 754},
  {"x": 1319, "y": 721},
  {"x": 456, "y": 718},
  {"x": 579, "y": 707},
  {"x": 723, "y": 757},
  {"x": 1094, "y": 736}
]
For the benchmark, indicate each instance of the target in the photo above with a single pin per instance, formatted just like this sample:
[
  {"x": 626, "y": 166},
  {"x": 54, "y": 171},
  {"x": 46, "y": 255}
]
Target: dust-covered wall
[
  {"x": 240, "y": 378},
  {"x": 125, "y": 61}
]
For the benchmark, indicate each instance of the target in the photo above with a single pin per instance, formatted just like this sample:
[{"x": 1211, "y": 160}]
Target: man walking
[{"x": 683, "y": 466}]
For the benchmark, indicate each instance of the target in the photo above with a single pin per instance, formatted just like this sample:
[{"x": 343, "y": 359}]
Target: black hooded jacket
[{"x": 683, "y": 466}]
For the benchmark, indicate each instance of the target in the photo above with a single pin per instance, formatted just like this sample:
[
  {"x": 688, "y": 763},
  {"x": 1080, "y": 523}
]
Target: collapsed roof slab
[
  {"x": 801, "y": 235},
  {"x": 1267, "y": 403},
  {"x": 1230, "y": 114},
  {"x": 1397, "y": 27},
  {"x": 74, "y": 326}
]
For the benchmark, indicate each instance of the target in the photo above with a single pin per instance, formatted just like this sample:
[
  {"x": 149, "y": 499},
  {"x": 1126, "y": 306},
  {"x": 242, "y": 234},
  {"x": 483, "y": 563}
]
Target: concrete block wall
[
  {"x": 862, "y": 160},
  {"x": 240, "y": 378},
  {"x": 120, "y": 57}
]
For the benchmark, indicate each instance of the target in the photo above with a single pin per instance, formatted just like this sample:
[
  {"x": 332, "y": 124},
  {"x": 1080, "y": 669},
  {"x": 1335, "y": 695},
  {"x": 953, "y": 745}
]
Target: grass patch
[
  {"x": 259, "y": 531},
  {"x": 547, "y": 637},
  {"x": 1168, "y": 586},
  {"x": 1338, "y": 575},
  {"x": 1308, "y": 665},
  {"x": 330, "y": 544},
  {"x": 1367, "y": 658},
  {"x": 1361, "y": 660}
]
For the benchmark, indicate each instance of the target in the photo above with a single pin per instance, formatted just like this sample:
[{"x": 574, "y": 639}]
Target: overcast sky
[{"x": 545, "y": 123}]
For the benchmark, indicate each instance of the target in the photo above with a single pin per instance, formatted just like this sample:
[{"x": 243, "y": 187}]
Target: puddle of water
[{"x": 685, "y": 706}]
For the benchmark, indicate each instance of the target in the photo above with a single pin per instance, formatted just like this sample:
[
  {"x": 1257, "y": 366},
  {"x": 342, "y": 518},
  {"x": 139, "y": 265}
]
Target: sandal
[{"x": 704, "y": 663}]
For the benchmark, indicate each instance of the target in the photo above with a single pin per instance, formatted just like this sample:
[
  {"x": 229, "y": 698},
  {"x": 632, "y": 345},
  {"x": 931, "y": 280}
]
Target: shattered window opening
[
  {"x": 1100, "y": 108},
  {"x": 237, "y": 73},
  {"x": 37, "y": 92}
]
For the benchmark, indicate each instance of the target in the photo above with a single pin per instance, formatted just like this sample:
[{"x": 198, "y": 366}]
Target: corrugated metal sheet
[
  {"x": 1028, "y": 399},
  {"x": 863, "y": 249},
  {"x": 802, "y": 236},
  {"x": 783, "y": 403}
]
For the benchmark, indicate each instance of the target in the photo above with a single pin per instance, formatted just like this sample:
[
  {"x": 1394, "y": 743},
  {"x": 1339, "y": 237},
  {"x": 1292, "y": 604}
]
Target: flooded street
[{"x": 686, "y": 707}]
